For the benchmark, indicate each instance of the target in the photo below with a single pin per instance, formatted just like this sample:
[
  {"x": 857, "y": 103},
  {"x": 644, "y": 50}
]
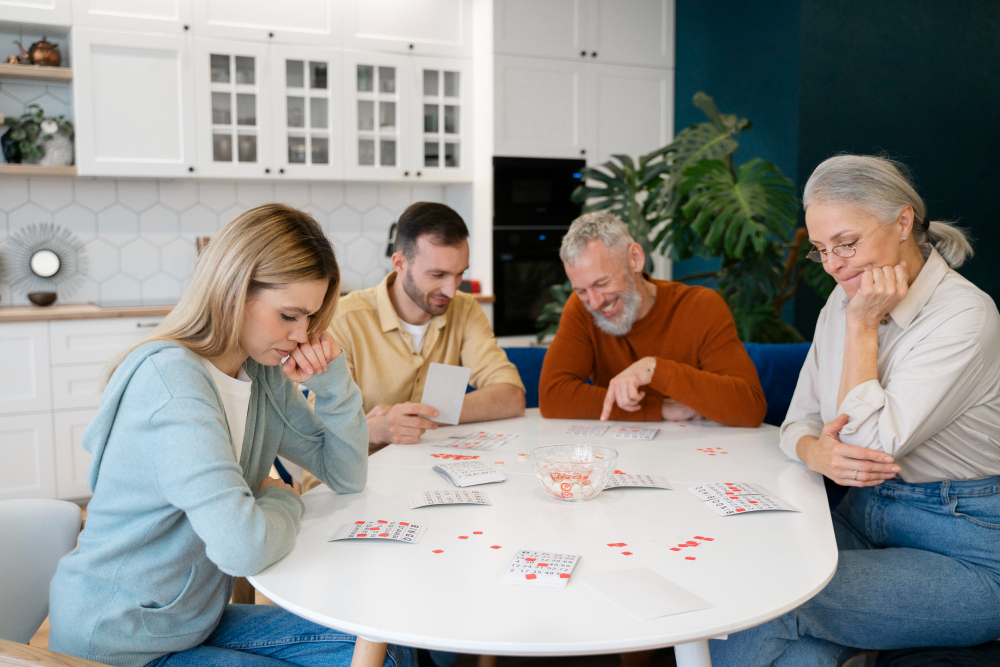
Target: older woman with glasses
[{"x": 900, "y": 399}]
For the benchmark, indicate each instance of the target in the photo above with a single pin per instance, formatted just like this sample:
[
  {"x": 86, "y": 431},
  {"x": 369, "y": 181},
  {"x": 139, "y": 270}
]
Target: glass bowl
[{"x": 572, "y": 472}]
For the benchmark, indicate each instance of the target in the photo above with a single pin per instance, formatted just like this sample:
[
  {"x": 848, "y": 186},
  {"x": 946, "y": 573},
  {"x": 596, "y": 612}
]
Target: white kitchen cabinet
[
  {"x": 297, "y": 22},
  {"x": 541, "y": 108},
  {"x": 72, "y": 461},
  {"x": 632, "y": 110},
  {"x": 95, "y": 341},
  {"x": 308, "y": 109},
  {"x": 27, "y": 452},
  {"x": 444, "y": 118},
  {"x": 25, "y": 379},
  {"x": 377, "y": 87},
  {"x": 542, "y": 28},
  {"x": 42, "y": 12},
  {"x": 427, "y": 27},
  {"x": 170, "y": 16},
  {"x": 636, "y": 32},
  {"x": 134, "y": 104},
  {"x": 75, "y": 387},
  {"x": 234, "y": 108}
]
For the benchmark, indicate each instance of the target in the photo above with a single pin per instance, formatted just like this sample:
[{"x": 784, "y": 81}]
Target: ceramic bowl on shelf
[
  {"x": 42, "y": 298},
  {"x": 573, "y": 472}
]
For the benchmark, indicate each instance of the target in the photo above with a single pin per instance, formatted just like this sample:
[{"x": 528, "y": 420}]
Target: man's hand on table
[
  {"x": 678, "y": 412},
  {"x": 846, "y": 465},
  {"x": 624, "y": 387},
  {"x": 400, "y": 424}
]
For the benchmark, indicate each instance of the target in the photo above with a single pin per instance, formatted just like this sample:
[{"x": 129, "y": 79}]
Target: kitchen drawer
[
  {"x": 75, "y": 387},
  {"x": 96, "y": 341}
]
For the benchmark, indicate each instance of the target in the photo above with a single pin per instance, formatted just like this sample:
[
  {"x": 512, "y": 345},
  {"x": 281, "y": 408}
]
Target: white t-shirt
[
  {"x": 235, "y": 392},
  {"x": 417, "y": 331}
]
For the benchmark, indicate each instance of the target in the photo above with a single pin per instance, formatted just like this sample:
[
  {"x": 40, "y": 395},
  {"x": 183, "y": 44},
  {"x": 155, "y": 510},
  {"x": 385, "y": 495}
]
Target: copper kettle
[{"x": 41, "y": 53}]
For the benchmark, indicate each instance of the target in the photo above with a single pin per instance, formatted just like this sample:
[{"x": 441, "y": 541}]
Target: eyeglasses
[{"x": 844, "y": 250}]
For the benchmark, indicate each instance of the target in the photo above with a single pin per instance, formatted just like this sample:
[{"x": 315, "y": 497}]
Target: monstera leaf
[{"x": 733, "y": 214}]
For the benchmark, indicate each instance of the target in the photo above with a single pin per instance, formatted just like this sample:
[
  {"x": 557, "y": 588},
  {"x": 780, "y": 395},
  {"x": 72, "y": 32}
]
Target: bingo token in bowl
[{"x": 573, "y": 472}]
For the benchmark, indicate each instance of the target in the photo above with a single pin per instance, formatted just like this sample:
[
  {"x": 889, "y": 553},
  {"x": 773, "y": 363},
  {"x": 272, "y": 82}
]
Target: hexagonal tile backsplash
[{"x": 139, "y": 235}]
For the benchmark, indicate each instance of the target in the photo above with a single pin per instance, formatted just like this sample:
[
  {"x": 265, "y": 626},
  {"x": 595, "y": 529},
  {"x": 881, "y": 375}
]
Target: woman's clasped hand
[
  {"x": 845, "y": 464},
  {"x": 311, "y": 357},
  {"x": 881, "y": 290}
]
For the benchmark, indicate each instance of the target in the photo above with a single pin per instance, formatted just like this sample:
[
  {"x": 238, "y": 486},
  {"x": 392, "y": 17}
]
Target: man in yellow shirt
[{"x": 392, "y": 332}]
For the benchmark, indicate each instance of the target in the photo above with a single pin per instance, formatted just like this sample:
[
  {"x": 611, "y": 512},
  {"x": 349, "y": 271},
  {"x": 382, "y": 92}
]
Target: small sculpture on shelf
[
  {"x": 45, "y": 259},
  {"x": 43, "y": 53},
  {"x": 35, "y": 138}
]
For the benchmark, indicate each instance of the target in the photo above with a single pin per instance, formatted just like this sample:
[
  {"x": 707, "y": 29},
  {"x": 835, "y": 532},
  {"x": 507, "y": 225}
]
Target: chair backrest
[
  {"x": 778, "y": 366},
  {"x": 34, "y": 535},
  {"x": 528, "y": 361}
]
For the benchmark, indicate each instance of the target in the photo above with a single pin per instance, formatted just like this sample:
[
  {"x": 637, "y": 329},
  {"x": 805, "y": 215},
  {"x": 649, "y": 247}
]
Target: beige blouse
[{"x": 936, "y": 404}]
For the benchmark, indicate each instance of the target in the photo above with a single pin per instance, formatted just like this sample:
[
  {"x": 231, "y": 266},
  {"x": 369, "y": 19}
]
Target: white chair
[{"x": 34, "y": 535}]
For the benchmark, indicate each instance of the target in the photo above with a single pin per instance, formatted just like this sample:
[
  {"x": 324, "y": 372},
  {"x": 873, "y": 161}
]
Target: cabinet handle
[
  {"x": 419, "y": 174},
  {"x": 190, "y": 168},
  {"x": 411, "y": 47},
  {"x": 147, "y": 325},
  {"x": 187, "y": 27},
  {"x": 270, "y": 34},
  {"x": 281, "y": 171},
  {"x": 593, "y": 54},
  {"x": 267, "y": 170},
  {"x": 406, "y": 173},
  {"x": 583, "y": 151},
  {"x": 583, "y": 53}
]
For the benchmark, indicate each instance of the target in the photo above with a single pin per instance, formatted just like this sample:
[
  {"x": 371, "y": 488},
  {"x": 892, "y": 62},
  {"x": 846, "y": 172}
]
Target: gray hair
[
  {"x": 596, "y": 226},
  {"x": 883, "y": 188}
]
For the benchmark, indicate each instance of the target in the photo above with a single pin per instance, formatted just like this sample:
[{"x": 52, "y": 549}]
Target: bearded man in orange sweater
[{"x": 653, "y": 349}]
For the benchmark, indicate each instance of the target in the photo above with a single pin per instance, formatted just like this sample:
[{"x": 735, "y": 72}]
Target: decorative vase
[
  {"x": 58, "y": 151},
  {"x": 11, "y": 152}
]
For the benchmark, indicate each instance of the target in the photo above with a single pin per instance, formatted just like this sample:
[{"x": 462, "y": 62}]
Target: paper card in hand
[{"x": 444, "y": 390}]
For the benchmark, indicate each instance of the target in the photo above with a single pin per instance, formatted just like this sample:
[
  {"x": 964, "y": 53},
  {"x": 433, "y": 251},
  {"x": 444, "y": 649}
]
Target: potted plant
[
  {"x": 35, "y": 138},
  {"x": 689, "y": 198}
]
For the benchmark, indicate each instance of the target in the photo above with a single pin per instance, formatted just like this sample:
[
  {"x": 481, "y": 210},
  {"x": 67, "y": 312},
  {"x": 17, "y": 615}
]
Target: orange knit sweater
[{"x": 700, "y": 361}]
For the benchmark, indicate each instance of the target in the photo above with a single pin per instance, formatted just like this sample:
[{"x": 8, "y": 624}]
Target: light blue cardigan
[{"x": 174, "y": 516}]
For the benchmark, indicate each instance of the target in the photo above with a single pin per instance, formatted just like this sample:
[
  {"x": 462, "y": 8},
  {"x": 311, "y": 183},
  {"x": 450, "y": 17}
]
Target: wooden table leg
[
  {"x": 368, "y": 654},
  {"x": 486, "y": 661},
  {"x": 694, "y": 654}
]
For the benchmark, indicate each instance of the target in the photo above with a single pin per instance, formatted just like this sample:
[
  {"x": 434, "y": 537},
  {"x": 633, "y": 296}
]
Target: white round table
[{"x": 757, "y": 566}]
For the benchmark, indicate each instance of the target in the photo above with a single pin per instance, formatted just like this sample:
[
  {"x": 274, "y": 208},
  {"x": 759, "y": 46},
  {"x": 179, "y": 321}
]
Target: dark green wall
[
  {"x": 746, "y": 56},
  {"x": 917, "y": 79}
]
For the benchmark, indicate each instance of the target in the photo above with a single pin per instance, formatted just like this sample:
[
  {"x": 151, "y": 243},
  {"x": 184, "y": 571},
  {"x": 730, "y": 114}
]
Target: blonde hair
[
  {"x": 883, "y": 188},
  {"x": 266, "y": 247},
  {"x": 595, "y": 226}
]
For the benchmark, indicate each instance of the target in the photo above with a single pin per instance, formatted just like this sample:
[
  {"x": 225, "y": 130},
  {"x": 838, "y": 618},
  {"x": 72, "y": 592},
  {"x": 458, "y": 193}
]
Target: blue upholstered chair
[{"x": 528, "y": 361}]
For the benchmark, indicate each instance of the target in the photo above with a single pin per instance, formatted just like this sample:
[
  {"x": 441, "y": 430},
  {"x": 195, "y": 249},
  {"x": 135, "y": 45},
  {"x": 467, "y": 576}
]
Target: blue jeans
[
  {"x": 919, "y": 566},
  {"x": 265, "y": 636}
]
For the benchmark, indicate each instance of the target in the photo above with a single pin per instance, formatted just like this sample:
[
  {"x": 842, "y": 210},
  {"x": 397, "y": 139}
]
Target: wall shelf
[
  {"x": 36, "y": 73},
  {"x": 7, "y": 169}
]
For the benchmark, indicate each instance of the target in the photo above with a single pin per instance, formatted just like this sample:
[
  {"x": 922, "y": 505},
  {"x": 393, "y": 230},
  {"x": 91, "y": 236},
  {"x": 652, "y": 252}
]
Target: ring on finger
[{"x": 855, "y": 475}]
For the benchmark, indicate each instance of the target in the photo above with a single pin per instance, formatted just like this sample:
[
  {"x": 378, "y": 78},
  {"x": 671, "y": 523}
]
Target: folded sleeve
[
  {"x": 196, "y": 471},
  {"x": 926, "y": 389},
  {"x": 481, "y": 353},
  {"x": 563, "y": 392},
  {"x": 332, "y": 441},
  {"x": 724, "y": 387}
]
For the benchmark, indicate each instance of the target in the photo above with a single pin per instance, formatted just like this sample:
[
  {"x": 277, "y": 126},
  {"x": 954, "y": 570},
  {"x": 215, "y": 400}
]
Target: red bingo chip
[
  {"x": 689, "y": 558},
  {"x": 463, "y": 537},
  {"x": 543, "y": 565},
  {"x": 496, "y": 546},
  {"x": 383, "y": 534},
  {"x": 530, "y": 560},
  {"x": 674, "y": 549},
  {"x": 403, "y": 523},
  {"x": 626, "y": 553},
  {"x": 564, "y": 576},
  {"x": 531, "y": 576},
  {"x": 360, "y": 523},
  {"x": 477, "y": 532},
  {"x": 438, "y": 551}
]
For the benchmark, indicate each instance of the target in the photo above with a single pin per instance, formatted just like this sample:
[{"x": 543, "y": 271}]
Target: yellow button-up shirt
[{"x": 381, "y": 358}]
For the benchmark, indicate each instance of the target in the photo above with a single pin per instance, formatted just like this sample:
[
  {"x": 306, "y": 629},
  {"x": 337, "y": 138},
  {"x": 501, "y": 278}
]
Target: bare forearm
[
  {"x": 860, "y": 359},
  {"x": 495, "y": 401},
  {"x": 802, "y": 447}
]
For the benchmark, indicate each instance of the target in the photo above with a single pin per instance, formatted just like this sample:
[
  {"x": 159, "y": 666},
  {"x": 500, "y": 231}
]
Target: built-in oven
[{"x": 531, "y": 212}]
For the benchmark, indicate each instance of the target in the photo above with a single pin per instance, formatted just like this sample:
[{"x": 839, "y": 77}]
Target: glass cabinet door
[
  {"x": 233, "y": 82},
  {"x": 308, "y": 108},
  {"x": 444, "y": 114},
  {"x": 376, "y": 110}
]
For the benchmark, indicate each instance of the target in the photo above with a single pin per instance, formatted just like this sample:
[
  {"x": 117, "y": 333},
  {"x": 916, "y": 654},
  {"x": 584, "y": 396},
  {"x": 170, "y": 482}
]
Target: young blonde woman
[
  {"x": 899, "y": 398},
  {"x": 189, "y": 425}
]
